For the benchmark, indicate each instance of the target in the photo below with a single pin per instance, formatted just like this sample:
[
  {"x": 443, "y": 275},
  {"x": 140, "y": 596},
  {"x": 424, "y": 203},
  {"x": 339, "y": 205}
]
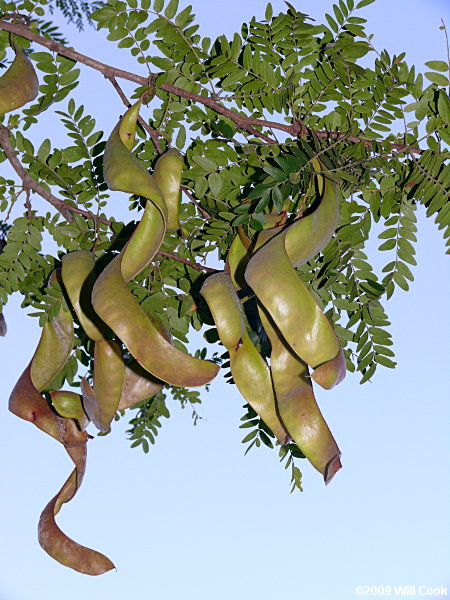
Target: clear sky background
[{"x": 195, "y": 519}]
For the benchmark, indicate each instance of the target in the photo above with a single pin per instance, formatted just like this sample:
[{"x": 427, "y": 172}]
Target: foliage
[{"x": 250, "y": 113}]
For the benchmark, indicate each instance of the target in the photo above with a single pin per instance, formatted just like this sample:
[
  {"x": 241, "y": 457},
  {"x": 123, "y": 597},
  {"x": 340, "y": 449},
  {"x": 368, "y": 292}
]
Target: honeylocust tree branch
[
  {"x": 28, "y": 182},
  {"x": 295, "y": 129}
]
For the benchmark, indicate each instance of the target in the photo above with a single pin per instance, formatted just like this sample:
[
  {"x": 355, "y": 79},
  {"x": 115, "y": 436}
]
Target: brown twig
[
  {"x": 108, "y": 71},
  {"x": 205, "y": 214},
  {"x": 295, "y": 129},
  {"x": 28, "y": 182},
  {"x": 195, "y": 266},
  {"x": 61, "y": 206}
]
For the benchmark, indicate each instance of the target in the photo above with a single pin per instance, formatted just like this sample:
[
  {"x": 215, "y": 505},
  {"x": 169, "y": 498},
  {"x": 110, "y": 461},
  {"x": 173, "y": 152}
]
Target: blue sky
[{"x": 195, "y": 519}]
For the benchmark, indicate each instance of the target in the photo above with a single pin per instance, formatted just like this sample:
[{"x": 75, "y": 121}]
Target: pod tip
[{"x": 332, "y": 468}]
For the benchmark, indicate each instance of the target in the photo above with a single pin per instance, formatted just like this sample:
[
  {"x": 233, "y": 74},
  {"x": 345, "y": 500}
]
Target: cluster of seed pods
[
  {"x": 103, "y": 304},
  {"x": 300, "y": 335},
  {"x": 280, "y": 392}
]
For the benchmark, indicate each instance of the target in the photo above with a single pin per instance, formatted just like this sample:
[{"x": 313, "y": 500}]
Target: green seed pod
[
  {"x": 237, "y": 261},
  {"x": 250, "y": 372},
  {"x": 111, "y": 299},
  {"x": 117, "y": 307},
  {"x": 101, "y": 403},
  {"x": 223, "y": 302},
  {"x": 167, "y": 175},
  {"x": 309, "y": 235},
  {"x": 68, "y": 404},
  {"x": 78, "y": 276},
  {"x": 19, "y": 84},
  {"x": 124, "y": 172},
  {"x": 290, "y": 304},
  {"x": 54, "y": 348},
  {"x": 108, "y": 380},
  {"x": 297, "y": 405}
]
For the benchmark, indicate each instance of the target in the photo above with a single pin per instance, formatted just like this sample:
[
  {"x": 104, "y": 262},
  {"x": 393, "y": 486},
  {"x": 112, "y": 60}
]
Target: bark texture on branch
[{"x": 296, "y": 129}]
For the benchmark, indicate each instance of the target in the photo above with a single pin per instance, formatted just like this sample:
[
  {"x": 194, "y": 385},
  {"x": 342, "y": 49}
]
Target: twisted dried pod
[
  {"x": 26, "y": 401},
  {"x": 250, "y": 372},
  {"x": 19, "y": 84},
  {"x": 111, "y": 299}
]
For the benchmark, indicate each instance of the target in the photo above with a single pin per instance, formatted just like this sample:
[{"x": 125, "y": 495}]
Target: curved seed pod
[
  {"x": 19, "y": 84},
  {"x": 138, "y": 385},
  {"x": 102, "y": 402},
  {"x": 50, "y": 357},
  {"x": 332, "y": 372},
  {"x": 297, "y": 405},
  {"x": 124, "y": 172},
  {"x": 250, "y": 372},
  {"x": 309, "y": 235},
  {"x": 111, "y": 299},
  {"x": 293, "y": 309},
  {"x": 56, "y": 543},
  {"x": 167, "y": 175},
  {"x": 119, "y": 309},
  {"x": 223, "y": 302},
  {"x": 78, "y": 277},
  {"x": 290, "y": 304},
  {"x": 56, "y": 342},
  {"x": 68, "y": 404}
]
